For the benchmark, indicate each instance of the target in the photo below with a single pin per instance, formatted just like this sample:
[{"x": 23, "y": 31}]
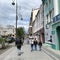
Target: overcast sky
[{"x": 7, "y": 12}]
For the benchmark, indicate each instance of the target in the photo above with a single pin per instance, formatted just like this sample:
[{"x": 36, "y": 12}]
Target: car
[{"x": 10, "y": 39}]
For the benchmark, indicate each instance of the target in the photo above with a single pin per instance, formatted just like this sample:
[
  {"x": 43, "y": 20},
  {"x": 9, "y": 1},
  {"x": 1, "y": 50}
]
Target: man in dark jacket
[
  {"x": 40, "y": 45},
  {"x": 18, "y": 43}
]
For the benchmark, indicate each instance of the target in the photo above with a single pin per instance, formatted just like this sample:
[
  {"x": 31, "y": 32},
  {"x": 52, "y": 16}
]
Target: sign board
[
  {"x": 53, "y": 32},
  {"x": 56, "y": 18}
]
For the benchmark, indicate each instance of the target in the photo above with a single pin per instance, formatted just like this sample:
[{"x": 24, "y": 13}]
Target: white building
[
  {"x": 38, "y": 28},
  {"x": 7, "y": 30}
]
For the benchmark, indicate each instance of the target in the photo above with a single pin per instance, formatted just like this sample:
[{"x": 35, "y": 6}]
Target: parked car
[{"x": 10, "y": 39}]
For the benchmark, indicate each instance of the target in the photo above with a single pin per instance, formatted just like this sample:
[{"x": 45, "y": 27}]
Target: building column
[{"x": 55, "y": 7}]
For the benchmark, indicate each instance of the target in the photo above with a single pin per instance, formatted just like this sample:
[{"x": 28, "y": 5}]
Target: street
[{"x": 11, "y": 54}]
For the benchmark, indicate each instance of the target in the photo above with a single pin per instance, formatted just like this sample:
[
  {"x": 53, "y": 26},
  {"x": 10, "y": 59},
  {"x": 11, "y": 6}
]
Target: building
[
  {"x": 56, "y": 25},
  {"x": 32, "y": 19},
  {"x": 52, "y": 23},
  {"x": 7, "y": 30},
  {"x": 41, "y": 26},
  {"x": 30, "y": 25},
  {"x": 37, "y": 23},
  {"x": 38, "y": 28}
]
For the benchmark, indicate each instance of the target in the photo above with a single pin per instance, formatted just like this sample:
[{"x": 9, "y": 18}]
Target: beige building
[
  {"x": 32, "y": 19},
  {"x": 7, "y": 30},
  {"x": 37, "y": 23}
]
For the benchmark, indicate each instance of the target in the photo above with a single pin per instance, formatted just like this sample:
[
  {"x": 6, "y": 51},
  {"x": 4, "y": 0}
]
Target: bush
[{"x": 2, "y": 42}]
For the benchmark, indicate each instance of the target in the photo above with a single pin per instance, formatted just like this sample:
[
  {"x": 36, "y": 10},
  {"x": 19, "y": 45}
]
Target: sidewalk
[
  {"x": 8, "y": 46},
  {"x": 11, "y": 54},
  {"x": 51, "y": 51}
]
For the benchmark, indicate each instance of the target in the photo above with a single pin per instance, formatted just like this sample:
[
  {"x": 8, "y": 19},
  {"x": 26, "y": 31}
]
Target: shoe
[
  {"x": 31, "y": 50},
  {"x": 19, "y": 54}
]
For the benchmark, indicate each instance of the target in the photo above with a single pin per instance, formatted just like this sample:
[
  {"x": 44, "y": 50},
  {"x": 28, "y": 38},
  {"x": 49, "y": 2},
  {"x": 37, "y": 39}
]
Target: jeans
[
  {"x": 35, "y": 47},
  {"x": 31, "y": 47}
]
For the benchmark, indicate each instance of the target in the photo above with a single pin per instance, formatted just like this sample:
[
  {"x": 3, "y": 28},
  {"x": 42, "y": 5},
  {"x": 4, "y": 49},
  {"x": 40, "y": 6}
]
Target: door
[{"x": 58, "y": 35}]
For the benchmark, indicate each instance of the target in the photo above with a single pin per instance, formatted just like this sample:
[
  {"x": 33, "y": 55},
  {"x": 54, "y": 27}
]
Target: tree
[{"x": 20, "y": 32}]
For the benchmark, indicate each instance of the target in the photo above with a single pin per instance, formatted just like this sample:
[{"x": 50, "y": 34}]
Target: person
[
  {"x": 18, "y": 43},
  {"x": 35, "y": 44},
  {"x": 32, "y": 44},
  {"x": 40, "y": 45}
]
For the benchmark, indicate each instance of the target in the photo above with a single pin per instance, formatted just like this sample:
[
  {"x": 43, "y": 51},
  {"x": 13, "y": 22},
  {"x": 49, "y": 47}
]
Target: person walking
[
  {"x": 40, "y": 45},
  {"x": 18, "y": 43},
  {"x": 35, "y": 44},
  {"x": 32, "y": 41}
]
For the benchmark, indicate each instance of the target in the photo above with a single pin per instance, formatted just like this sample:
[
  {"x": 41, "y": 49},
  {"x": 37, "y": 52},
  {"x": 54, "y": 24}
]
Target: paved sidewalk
[
  {"x": 8, "y": 46},
  {"x": 11, "y": 54},
  {"x": 53, "y": 52}
]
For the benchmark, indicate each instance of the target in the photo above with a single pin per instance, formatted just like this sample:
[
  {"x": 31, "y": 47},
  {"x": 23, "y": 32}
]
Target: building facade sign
[
  {"x": 53, "y": 32},
  {"x": 56, "y": 18}
]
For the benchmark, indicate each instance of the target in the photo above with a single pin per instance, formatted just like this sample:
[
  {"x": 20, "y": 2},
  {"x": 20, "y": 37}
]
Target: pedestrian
[
  {"x": 18, "y": 43},
  {"x": 40, "y": 45},
  {"x": 35, "y": 44},
  {"x": 32, "y": 41}
]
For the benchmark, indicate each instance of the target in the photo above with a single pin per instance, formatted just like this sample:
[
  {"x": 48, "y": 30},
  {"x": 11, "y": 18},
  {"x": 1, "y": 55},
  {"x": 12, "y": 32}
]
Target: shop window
[
  {"x": 50, "y": 38},
  {"x": 47, "y": 18},
  {"x": 50, "y": 15},
  {"x": 49, "y": 1}
]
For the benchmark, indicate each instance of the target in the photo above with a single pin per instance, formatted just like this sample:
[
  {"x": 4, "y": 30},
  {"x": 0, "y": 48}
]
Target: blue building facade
[{"x": 52, "y": 23}]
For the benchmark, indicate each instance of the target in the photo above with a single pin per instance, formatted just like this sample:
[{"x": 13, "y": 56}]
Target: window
[
  {"x": 49, "y": 1},
  {"x": 50, "y": 15},
  {"x": 46, "y": 4},
  {"x": 47, "y": 18},
  {"x": 13, "y": 30}
]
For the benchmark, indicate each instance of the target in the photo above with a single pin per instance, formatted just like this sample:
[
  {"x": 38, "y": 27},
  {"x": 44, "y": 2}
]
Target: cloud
[{"x": 8, "y": 11}]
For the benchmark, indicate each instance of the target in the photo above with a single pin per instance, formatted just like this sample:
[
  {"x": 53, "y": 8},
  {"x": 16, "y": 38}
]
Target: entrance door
[{"x": 58, "y": 34}]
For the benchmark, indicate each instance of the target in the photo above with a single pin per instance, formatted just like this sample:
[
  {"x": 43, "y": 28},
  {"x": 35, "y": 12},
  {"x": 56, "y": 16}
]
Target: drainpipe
[{"x": 43, "y": 20}]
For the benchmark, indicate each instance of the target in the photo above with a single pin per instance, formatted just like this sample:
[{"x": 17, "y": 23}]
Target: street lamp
[{"x": 13, "y": 3}]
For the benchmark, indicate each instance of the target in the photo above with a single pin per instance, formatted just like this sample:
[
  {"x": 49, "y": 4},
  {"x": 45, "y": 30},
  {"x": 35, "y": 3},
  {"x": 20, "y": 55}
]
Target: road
[{"x": 11, "y": 54}]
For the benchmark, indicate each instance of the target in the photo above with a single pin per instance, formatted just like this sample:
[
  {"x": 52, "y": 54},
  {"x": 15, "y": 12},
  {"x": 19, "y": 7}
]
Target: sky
[{"x": 8, "y": 12}]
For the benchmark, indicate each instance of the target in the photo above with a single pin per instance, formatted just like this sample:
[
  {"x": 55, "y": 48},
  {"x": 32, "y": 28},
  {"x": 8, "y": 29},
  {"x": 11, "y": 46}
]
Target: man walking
[
  {"x": 32, "y": 41},
  {"x": 40, "y": 45},
  {"x": 19, "y": 44}
]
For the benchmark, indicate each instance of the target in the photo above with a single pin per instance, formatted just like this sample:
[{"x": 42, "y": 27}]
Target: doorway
[{"x": 58, "y": 35}]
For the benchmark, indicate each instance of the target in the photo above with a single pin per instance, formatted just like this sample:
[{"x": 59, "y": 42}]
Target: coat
[{"x": 18, "y": 43}]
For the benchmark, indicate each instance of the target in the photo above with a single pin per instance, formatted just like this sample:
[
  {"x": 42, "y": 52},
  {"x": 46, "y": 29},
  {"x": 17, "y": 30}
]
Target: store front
[{"x": 56, "y": 32}]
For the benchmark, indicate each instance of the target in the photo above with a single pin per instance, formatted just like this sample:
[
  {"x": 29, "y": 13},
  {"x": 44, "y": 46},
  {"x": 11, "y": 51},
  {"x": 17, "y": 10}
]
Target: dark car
[{"x": 10, "y": 39}]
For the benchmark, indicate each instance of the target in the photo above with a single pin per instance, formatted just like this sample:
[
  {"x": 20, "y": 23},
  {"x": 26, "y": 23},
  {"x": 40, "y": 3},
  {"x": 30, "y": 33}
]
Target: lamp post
[{"x": 13, "y": 3}]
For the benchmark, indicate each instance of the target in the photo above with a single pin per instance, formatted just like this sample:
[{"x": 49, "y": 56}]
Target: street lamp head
[
  {"x": 13, "y": 3},
  {"x": 21, "y": 18}
]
